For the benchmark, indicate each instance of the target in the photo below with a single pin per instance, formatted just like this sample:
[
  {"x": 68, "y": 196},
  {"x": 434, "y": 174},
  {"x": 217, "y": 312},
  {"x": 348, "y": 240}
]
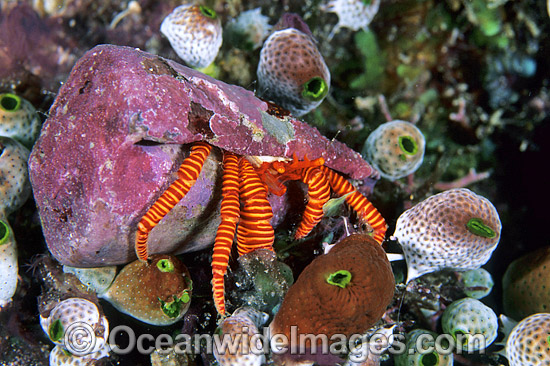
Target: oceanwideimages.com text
[{"x": 123, "y": 340}]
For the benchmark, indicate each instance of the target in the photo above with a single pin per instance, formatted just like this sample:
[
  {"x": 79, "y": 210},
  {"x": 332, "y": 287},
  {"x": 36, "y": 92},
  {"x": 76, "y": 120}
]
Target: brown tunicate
[
  {"x": 156, "y": 292},
  {"x": 525, "y": 285},
  {"x": 343, "y": 292}
]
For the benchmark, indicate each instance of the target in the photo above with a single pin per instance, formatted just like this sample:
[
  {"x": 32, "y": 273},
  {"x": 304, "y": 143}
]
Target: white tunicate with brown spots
[
  {"x": 289, "y": 59},
  {"x": 8, "y": 263},
  {"x": 440, "y": 232},
  {"x": 529, "y": 341},
  {"x": 195, "y": 33},
  {"x": 60, "y": 357},
  {"x": 395, "y": 149},
  {"x": 76, "y": 317},
  {"x": 15, "y": 187},
  {"x": 19, "y": 119},
  {"x": 242, "y": 325}
]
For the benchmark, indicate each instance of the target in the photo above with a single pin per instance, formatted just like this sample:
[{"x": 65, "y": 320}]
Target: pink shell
[{"x": 96, "y": 167}]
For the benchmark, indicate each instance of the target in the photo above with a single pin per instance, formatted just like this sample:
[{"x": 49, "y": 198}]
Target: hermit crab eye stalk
[
  {"x": 4, "y": 232},
  {"x": 315, "y": 89},
  {"x": 10, "y": 102},
  {"x": 477, "y": 227},
  {"x": 165, "y": 265},
  {"x": 208, "y": 12},
  {"x": 408, "y": 145},
  {"x": 339, "y": 278}
]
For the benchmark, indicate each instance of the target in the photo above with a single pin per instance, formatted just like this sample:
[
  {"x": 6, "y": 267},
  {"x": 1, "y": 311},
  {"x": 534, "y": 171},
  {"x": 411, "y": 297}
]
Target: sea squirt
[
  {"x": 292, "y": 72},
  {"x": 157, "y": 292},
  {"x": 8, "y": 263},
  {"x": 195, "y": 33},
  {"x": 455, "y": 229},
  {"x": 343, "y": 292}
]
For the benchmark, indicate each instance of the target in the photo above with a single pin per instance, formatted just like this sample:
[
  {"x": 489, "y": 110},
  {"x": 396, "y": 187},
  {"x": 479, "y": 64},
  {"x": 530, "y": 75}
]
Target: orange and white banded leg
[
  {"x": 229, "y": 213},
  {"x": 188, "y": 173},
  {"x": 359, "y": 203},
  {"x": 318, "y": 194},
  {"x": 254, "y": 230}
]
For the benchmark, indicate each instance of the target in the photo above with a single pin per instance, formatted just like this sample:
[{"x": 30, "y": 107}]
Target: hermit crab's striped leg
[
  {"x": 229, "y": 213},
  {"x": 358, "y": 202},
  {"x": 318, "y": 194},
  {"x": 255, "y": 230},
  {"x": 187, "y": 176}
]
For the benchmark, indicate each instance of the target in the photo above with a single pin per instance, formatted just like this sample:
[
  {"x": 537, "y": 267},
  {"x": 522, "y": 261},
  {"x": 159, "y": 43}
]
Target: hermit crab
[
  {"x": 126, "y": 108},
  {"x": 244, "y": 183}
]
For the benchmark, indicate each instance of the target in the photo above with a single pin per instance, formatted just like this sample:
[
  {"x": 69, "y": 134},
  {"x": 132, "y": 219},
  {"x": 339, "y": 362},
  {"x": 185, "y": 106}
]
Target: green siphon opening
[
  {"x": 10, "y": 102},
  {"x": 315, "y": 89},
  {"x": 56, "y": 331},
  {"x": 477, "y": 227},
  {"x": 165, "y": 265},
  {"x": 339, "y": 278},
  {"x": 429, "y": 359},
  {"x": 408, "y": 145},
  {"x": 460, "y": 335},
  {"x": 173, "y": 308},
  {"x": 4, "y": 232},
  {"x": 548, "y": 341},
  {"x": 208, "y": 12},
  {"x": 367, "y": 2}
]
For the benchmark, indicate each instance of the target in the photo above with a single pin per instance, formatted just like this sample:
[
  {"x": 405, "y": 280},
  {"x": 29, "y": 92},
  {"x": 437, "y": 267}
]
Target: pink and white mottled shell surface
[
  {"x": 195, "y": 33},
  {"x": 118, "y": 131}
]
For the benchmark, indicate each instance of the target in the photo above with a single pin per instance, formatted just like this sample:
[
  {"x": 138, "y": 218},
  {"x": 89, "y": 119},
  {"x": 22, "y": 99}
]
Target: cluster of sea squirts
[{"x": 454, "y": 231}]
